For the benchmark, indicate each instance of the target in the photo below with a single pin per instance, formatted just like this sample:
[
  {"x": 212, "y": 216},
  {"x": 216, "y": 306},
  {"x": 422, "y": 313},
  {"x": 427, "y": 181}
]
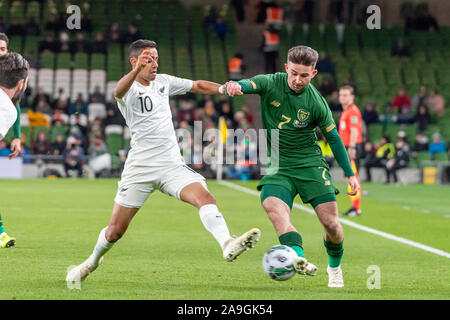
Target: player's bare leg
[
  {"x": 198, "y": 196},
  {"x": 279, "y": 214},
  {"x": 333, "y": 240},
  {"x": 120, "y": 220}
]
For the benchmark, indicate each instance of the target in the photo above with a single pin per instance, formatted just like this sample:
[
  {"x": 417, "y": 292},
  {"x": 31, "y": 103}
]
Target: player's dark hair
[
  {"x": 13, "y": 68},
  {"x": 136, "y": 47},
  {"x": 4, "y": 37},
  {"x": 303, "y": 55},
  {"x": 349, "y": 88}
]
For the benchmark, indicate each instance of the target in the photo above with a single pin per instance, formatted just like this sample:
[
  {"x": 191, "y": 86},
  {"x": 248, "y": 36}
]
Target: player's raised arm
[
  {"x": 206, "y": 87},
  {"x": 126, "y": 81},
  {"x": 256, "y": 84}
]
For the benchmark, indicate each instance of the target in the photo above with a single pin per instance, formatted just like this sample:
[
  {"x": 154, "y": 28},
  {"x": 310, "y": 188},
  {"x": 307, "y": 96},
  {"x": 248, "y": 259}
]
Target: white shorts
[
  {"x": 7, "y": 118},
  {"x": 137, "y": 183}
]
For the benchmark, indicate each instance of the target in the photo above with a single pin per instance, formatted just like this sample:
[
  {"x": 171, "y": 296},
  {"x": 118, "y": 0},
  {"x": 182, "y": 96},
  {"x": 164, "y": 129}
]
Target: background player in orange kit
[{"x": 350, "y": 130}]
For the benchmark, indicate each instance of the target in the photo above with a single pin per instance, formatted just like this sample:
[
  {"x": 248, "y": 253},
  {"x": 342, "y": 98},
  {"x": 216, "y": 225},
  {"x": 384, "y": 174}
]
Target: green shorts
[{"x": 308, "y": 182}]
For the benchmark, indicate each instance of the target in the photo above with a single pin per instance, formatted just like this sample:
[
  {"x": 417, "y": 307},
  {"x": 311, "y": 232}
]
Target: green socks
[
  {"x": 1, "y": 225},
  {"x": 335, "y": 252},
  {"x": 294, "y": 240}
]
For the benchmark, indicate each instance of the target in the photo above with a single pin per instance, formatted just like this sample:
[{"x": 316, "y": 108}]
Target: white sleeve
[
  {"x": 178, "y": 85},
  {"x": 132, "y": 92}
]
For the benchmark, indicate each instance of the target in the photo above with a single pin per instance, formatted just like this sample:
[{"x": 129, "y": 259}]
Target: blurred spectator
[
  {"x": 16, "y": 28},
  {"x": 369, "y": 114},
  {"x": 436, "y": 102},
  {"x": 64, "y": 44},
  {"x": 401, "y": 99},
  {"x": 41, "y": 102},
  {"x": 41, "y": 145},
  {"x": 186, "y": 112},
  {"x": 425, "y": 21},
  {"x": 220, "y": 28},
  {"x": 247, "y": 113},
  {"x": 227, "y": 112},
  {"x": 61, "y": 101},
  {"x": 48, "y": 45},
  {"x": 274, "y": 16},
  {"x": 404, "y": 116},
  {"x": 79, "y": 45},
  {"x": 334, "y": 103},
  {"x": 384, "y": 152},
  {"x": 210, "y": 111},
  {"x": 73, "y": 157},
  {"x": 114, "y": 34},
  {"x": 421, "y": 98},
  {"x": 97, "y": 96},
  {"x": 400, "y": 49},
  {"x": 270, "y": 48},
  {"x": 421, "y": 144},
  {"x": 58, "y": 147},
  {"x": 327, "y": 87},
  {"x": 32, "y": 28},
  {"x": 400, "y": 160},
  {"x": 99, "y": 158},
  {"x": 99, "y": 44},
  {"x": 4, "y": 150},
  {"x": 59, "y": 118},
  {"x": 79, "y": 105},
  {"x": 388, "y": 116},
  {"x": 77, "y": 128},
  {"x": 350, "y": 82},
  {"x": 113, "y": 114},
  {"x": 236, "y": 67},
  {"x": 422, "y": 118},
  {"x": 436, "y": 145},
  {"x": 324, "y": 64},
  {"x": 133, "y": 33},
  {"x": 239, "y": 7},
  {"x": 261, "y": 8},
  {"x": 4, "y": 26},
  {"x": 53, "y": 23},
  {"x": 86, "y": 23}
]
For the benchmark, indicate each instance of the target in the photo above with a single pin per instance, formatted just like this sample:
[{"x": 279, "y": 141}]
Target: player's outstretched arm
[
  {"x": 126, "y": 81},
  {"x": 206, "y": 87}
]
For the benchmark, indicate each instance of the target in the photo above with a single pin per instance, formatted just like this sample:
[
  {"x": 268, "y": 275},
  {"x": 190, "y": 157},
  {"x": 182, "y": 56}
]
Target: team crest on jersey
[
  {"x": 161, "y": 90},
  {"x": 302, "y": 116}
]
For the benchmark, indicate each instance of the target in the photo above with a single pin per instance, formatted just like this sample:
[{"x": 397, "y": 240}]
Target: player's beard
[{"x": 18, "y": 96}]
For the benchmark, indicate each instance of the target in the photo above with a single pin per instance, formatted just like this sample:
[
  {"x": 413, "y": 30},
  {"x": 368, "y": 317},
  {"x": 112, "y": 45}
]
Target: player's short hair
[
  {"x": 4, "y": 37},
  {"x": 13, "y": 68},
  {"x": 136, "y": 47},
  {"x": 303, "y": 55},
  {"x": 349, "y": 88}
]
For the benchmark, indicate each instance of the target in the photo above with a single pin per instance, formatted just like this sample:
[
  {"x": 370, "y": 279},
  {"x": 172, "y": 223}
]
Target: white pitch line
[{"x": 351, "y": 224}]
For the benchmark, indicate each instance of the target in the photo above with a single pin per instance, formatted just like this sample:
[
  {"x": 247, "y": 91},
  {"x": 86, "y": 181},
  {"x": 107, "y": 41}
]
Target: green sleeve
[
  {"x": 16, "y": 125},
  {"x": 339, "y": 151},
  {"x": 257, "y": 84}
]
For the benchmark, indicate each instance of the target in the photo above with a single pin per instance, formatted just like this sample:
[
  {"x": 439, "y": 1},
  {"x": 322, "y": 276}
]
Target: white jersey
[
  {"x": 8, "y": 113},
  {"x": 147, "y": 113}
]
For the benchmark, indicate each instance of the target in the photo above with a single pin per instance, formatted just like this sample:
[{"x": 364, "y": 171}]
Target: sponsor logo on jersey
[
  {"x": 141, "y": 93},
  {"x": 276, "y": 104},
  {"x": 161, "y": 90},
  {"x": 299, "y": 124}
]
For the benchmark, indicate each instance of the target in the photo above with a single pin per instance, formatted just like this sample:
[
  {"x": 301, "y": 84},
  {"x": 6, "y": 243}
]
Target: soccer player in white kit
[
  {"x": 13, "y": 83},
  {"x": 154, "y": 161}
]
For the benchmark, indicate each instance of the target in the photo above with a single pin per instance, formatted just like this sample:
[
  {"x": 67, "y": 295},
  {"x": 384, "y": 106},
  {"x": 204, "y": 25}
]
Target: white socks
[
  {"x": 215, "y": 223},
  {"x": 101, "y": 248}
]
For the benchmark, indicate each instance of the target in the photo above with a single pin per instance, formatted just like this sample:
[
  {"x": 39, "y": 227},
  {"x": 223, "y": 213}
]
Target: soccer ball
[{"x": 278, "y": 262}]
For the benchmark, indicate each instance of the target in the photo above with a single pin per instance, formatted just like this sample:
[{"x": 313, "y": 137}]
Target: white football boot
[
  {"x": 80, "y": 272},
  {"x": 335, "y": 279},
  {"x": 234, "y": 247},
  {"x": 302, "y": 266}
]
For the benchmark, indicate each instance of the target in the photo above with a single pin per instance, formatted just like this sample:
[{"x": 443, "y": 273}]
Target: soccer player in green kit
[{"x": 291, "y": 104}]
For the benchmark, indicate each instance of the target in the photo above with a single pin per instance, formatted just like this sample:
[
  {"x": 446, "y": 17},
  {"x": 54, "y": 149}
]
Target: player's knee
[
  {"x": 114, "y": 233},
  {"x": 207, "y": 198},
  {"x": 332, "y": 225}
]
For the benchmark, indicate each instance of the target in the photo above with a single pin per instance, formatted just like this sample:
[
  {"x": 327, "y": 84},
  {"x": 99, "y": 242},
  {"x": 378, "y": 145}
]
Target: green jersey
[{"x": 296, "y": 116}]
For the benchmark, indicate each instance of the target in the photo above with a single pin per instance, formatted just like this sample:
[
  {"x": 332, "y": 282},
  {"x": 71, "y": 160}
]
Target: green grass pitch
[{"x": 167, "y": 253}]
